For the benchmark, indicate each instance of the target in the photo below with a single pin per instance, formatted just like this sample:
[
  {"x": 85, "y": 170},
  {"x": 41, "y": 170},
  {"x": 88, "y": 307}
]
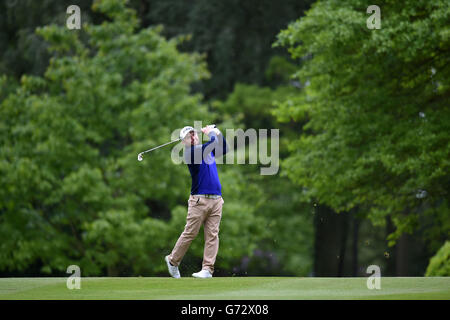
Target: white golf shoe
[
  {"x": 202, "y": 274},
  {"x": 173, "y": 270}
]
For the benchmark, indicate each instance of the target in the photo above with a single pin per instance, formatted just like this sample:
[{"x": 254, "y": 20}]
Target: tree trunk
[
  {"x": 328, "y": 242},
  {"x": 112, "y": 271},
  {"x": 401, "y": 259},
  {"x": 355, "y": 245},
  {"x": 390, "y": 269},
  {"x": 343, "y": 241}
]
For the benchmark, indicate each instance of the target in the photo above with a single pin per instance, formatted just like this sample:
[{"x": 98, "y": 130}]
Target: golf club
[{"x": 165, "y": 144}]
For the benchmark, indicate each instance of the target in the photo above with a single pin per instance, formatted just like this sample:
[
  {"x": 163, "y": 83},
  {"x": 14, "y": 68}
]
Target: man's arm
[
  {"x": 217, "y": 142},
  {"x": 195, "y": 154}
]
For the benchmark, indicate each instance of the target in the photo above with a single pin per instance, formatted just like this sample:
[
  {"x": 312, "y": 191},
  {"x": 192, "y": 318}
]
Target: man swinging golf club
[{"x": 205, "y": 202}]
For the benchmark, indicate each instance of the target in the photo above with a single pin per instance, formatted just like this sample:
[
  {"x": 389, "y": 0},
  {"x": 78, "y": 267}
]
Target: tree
[
  {"x": 71, "y": 188},
  {"x": 286, "y": 246},
  {"x": 440, "y": 264},
  {"x": 22, "y": 51},
  {"x": 375, "y": 103},
  {"x": 236, "y": 36}
]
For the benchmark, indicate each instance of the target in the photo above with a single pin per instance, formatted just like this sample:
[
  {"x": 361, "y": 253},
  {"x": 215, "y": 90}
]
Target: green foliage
[
  {"x": 287, "y": 222},
  {"x": 235, "y": 35},
  {"x": 250, "y": 106},
  {"x": 375, "y": 107},
  {"x": 22, "y": 51},
  {"x": 279, "y": 70},
  {"x": 71, "y": 189},
  {"x": 364, "y": 123},
  {"x": 440, "y": 264}
]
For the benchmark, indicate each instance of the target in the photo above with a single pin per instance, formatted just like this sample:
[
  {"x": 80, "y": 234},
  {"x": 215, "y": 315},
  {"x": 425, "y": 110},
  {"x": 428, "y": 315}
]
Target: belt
[{"x": 210, "y": 196}]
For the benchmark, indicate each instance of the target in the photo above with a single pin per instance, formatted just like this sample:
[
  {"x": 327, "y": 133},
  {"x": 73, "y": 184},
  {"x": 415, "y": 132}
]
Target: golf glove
[{"x": 216, "y": 131}]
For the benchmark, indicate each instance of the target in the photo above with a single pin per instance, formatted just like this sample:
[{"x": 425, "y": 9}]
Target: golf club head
[{"x": 140, "y": 157}]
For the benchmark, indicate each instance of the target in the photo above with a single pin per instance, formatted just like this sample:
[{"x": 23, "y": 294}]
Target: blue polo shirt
[{"x": 201, "y": 162}]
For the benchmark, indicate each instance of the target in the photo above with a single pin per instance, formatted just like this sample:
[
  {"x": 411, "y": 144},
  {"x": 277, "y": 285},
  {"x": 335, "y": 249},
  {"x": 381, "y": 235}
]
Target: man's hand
[{"x": 206, "y": 130}]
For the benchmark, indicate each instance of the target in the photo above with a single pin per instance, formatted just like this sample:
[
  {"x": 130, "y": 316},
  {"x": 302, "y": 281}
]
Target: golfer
[{"x": 205, "y": 202}]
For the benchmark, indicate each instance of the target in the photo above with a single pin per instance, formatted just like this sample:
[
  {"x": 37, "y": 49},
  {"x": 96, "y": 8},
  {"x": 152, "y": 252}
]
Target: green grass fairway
[{"x": 254, "y": 288}]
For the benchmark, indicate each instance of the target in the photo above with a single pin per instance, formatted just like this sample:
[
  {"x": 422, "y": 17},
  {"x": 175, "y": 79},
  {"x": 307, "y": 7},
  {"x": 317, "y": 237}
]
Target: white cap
[{"x": 185, "y": 131}]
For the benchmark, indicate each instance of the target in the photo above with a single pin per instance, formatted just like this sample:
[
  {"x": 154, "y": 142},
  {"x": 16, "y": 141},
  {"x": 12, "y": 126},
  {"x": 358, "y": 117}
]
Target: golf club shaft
[{"x": 165, "y": 144}]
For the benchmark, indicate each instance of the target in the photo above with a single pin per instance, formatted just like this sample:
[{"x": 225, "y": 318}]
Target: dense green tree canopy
[
  {"x": 440, "y": 264},
  {"x": 376, "y": 106},
  {"x": 22, "y": 51},
  {"x": 71, "y": 188},
  {"x": 288, "y": 219},
  {"x": 235, "y": 35},
  {"x": 363, "y": 123}
]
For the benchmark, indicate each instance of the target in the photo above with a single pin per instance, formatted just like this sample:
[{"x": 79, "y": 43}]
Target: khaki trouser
[{"x": 201, "y": 211}]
